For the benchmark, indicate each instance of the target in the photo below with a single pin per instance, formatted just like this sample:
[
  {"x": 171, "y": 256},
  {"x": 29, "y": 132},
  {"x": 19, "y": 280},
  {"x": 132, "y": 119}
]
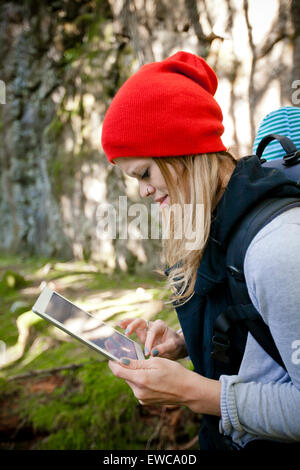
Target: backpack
[
  {"x": 231, "y": 327},
  {"x": 243, "y": 311}
]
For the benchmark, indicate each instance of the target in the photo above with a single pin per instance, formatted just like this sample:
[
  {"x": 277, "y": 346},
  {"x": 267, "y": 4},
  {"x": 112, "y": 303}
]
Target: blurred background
[{"x": 62, "y": 62}]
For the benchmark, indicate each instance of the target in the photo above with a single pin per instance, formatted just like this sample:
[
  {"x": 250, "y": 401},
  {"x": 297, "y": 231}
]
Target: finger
[
  {"x": 110, "y": 365},
  {"x": 137, "y": 326},
  {"x": 157, "y": 329},
  {"x": 163, "y": 349},
  {"x": 139, "y": 364},
  {"x": 125, "y": 322},
  {"x": 124, "y": 371},
  {"x": 137, "y": 392},
  {"x": 131, "y": 369},
  {"x": 138, "y": 323},
  {"x": 134, "y": 364},
  {"x": 133, "y": 387}
]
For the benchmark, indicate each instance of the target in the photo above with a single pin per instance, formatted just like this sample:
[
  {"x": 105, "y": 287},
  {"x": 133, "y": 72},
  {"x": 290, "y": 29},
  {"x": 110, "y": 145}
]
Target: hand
[
  {"x": 159, "y": 381},
  {"x": 158, "y": 338}
]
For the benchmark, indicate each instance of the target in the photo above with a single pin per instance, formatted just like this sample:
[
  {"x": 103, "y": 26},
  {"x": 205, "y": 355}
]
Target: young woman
[{"x": 164, "y": 127}]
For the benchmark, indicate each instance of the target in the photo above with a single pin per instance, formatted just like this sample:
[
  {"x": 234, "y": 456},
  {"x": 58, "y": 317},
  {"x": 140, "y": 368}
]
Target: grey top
[{"x": 263, "y": 400}]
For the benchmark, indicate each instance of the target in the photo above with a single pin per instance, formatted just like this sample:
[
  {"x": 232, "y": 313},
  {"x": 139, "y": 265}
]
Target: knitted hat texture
[{"x": 166, "y": 108}]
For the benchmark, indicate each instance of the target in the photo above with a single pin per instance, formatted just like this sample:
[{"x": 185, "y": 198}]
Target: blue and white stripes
[{"x": 283, "y": 121}]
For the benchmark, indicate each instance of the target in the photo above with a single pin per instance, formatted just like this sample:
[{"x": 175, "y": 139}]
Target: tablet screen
[{"x": 89, "y": 328}]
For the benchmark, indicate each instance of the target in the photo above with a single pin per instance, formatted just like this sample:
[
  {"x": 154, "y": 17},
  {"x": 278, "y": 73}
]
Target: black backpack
[
  {"x": 243, "y": 311},
  {"x": 232, "y": 326}
]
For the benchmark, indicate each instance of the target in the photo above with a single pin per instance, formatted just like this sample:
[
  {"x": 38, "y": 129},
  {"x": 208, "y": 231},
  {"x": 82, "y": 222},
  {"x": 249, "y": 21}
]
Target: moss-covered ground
[{"x": 56, "y": 393}]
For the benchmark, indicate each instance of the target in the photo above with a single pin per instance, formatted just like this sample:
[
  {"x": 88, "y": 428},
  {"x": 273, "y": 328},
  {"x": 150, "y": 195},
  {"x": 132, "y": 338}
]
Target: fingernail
[
  {"x": 125, "y": 361},
  {"x": 127, "y": 330},
  {"x": 155, "y": 352},
  {"x": 146, "y": 351}
]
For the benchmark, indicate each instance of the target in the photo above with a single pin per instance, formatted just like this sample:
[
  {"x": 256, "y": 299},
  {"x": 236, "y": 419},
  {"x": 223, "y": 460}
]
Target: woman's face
[{"x": 149, "y": 176}]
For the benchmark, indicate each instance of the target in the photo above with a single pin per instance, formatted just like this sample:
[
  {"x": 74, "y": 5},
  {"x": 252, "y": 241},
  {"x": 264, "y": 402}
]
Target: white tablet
[{"x": 85, "y": 327}]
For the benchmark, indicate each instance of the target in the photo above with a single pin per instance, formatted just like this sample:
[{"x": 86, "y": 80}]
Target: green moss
[
  {"x": 11, "y": 281},
  {"x": 56, "y": 168},
  {"x": 55, "y": 127},
  {"x": 85, "y": 18},
  {"x": 123, "y": 280},
  {"x": 98, "y": 412},
  {"x": 9, "y": 388},
  {"x": 8, "y": 329},
  {"x": 65, "y": 353},
  {"x": 26, "y": 264},
  {"x": 73, "y": 54}
]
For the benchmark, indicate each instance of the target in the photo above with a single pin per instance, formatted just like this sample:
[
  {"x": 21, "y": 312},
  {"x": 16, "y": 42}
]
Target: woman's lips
[{"x": 164, "y": 201}]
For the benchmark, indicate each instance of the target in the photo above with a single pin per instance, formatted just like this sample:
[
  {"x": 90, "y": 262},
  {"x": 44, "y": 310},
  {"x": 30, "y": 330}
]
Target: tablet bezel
[{"x": 41, "y": 305}]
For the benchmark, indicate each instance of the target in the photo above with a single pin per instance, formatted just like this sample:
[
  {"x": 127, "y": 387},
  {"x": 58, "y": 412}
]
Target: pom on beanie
[{"x": 166, "y": 108}]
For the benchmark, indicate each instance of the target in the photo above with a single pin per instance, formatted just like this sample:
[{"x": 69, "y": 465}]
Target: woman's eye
[{"x": 146, "y": 174}]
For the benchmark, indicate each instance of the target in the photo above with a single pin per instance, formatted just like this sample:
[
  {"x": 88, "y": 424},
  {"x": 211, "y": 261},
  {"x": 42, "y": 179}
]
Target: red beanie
[{"x": 167, "y": 108}]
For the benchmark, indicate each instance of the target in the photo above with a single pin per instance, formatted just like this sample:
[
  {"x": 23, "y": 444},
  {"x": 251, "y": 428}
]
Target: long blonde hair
[{"x": 202, "y": 180}]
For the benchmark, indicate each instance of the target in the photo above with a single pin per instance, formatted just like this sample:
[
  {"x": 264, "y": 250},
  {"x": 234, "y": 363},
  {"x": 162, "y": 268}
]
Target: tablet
[{"x": 85, "y": 327}]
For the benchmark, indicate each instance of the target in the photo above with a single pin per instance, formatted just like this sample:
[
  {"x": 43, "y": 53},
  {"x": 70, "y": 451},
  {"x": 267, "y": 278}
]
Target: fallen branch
[
  {"x": 157, "y": 430},
  {"x": 34, "y": 373},
  {"x": 189, "y": 444}
]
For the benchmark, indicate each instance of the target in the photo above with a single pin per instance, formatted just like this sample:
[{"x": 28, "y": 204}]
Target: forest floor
[{"x": 56, "y": 393}]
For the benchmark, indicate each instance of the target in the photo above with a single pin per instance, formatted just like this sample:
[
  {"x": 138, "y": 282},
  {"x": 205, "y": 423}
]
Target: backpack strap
[
  {"x": 289, "y": 164},
  {"x": 251, "y": 224},
  {"x": 243, "y": 310},
  {"x": 292, "y": 153}
]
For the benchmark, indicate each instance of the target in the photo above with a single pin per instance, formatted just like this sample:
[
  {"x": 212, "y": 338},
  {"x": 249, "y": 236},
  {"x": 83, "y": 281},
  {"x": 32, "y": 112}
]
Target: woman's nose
[{"x": 145, "y": 189}]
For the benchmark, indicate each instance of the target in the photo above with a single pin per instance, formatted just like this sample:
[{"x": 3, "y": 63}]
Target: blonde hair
[{"x": 203, "y": 179}]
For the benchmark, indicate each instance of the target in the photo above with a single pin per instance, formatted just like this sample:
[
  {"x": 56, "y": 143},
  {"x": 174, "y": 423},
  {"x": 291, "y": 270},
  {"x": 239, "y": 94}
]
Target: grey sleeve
[{"x": 268, "y": 406}]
